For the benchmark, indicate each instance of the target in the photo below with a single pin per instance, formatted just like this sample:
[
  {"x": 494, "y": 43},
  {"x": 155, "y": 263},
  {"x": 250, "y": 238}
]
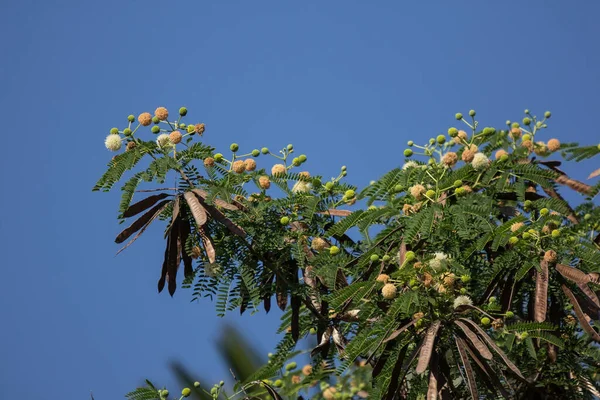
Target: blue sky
[{"x": 348, "y": 83}]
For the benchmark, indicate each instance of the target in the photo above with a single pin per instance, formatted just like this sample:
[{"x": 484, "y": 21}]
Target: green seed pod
[
  {"x": 329, "y": 185},
  {"x": 509, "y": 314},
  {"x": 291, "y": 366},
  {"x": 524, "y": 335},
  {"x": 547, "y": 114},
  {"x": 302, "y": 158},
  {"x": 374, "y": 258},
  {"x": 430, "y": 193},
  {"x": 458, "y": 183},
  {"x": 234, "y": 147},
  {"x": 313, "y": 331},
  {"x": 431, "y": 141},
  {"x": 513, "y": 240},
  {"x": 544, "y": 211},
  {"x": 463, "y": 290},
  {"x": 465, "y": 278},
  {"x": 114, "y": 131},
  {"x": 492, "y": 299},
  {"x": 485, "y": 321},
  {"x": 398, "y": 188},
  {"x": 131, "y": 118},
  {"x": 333, "y": 250},
  {"x": 587, "y": 217},
  {"x": 290, "y": 147},
  {"x": 127, "y": 132},
  {"x": 527, "y": 121},
  {"x": 441, "y": 139},
  {"x": 555, "y": 233},
  {"x": 255, "y": 153},
  {"x": 410, "y": 143},
  {"x": 408, "y": 153},
  {"x": 526, "y": 136},
  {"x": 155, "y": 129},
  {"x": 410, "y": 255},
  {"x": 349, "y": 194},
  {"x": 386, "y": 258},
  {"x": 458, "y": 116},
  {"x": 460, "y": 191},
  {"x": 264, "y": 150},
  {"x": 503, "y": 158},
  {"x": 155, "y": 120},
  {"x": 472, "y": 113},
  {"x": 186, "y": 392},
  {"x": 526, "y": 235},
  {"x": 196, "y": 384},
  {"x": 218, "y": 157},
  {"x": 453, "y": 132},
  {"x": 515, "y": 125},
  {"x": 296, "y": 162},
  {"x": 183, "y": 111},
  {"x": 284, "y": 220}
]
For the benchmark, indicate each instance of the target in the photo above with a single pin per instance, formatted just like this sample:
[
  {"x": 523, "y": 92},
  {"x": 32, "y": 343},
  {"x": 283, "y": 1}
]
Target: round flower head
[
  {"x": 427, "y": 279},
  {"x": 439, "y": 261},
  {"x": 161, "y": 113},
  {"x": 307, "y": 370},
  {"x": 383, "y": 278},
  {"x": 541, "y": 149},
  {"x": 441, "y": 288},
  {"x": 553, "y": 144},
  {"x": 304, "y": 174},
  {"x": 296, "y": 379},
  {"x": 418, "y": 315},
  {"x": 407, "y": 209},
  {"x": 500, "y": 153},
  {"x": 467, "y": 189},
  {"x": 528, "y": 144},
  {"x": 462, "y": 135},
  {"x": 480, "y": 161},
  {"x": 329, "y": 393},
  {"x": 469, "y": 152},
  {"x": 417, "y": 191},
  {"x": 130, "y": 146},
  {"x": 409, "y": 164},
  {"x": 175, "y": 137},
  {"x": 462, "y": 301},
  {"x": 450, "y": 159},
  {"x": 498, "y": 323},
  {"x": 113, "y": 142},
  {"x": 389, "y": 291},
  {"x": 278, "y": 169},
  {"x": 301, "y": 187},
  {"x": 550, "y": 256},
  {"x": 163, "y": 140},
  {"x": 515, "y": 133},
  {"x": 238, "y": 166},
  {"x": 250, "y": 164},
  {"x": 264, "y": 182},
  {"x": 199, "y": 128},
  {"x": 209, "y": 162},
  {"x": 145, "y": 119},
  {"x": 212, "y": 269},
  {"x": 516, "y": 227},
  {"x": 449, "y": 279},
  {"x": 318, "y": 244}
]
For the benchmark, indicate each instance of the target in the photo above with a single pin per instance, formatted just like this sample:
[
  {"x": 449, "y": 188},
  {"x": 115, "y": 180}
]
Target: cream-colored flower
[
  {"x": 163, "y": 140},
  {"x": 209, "y": 162},
  {"x": 383, "y": 278},
  {"x": 318, "y": 244},
  {"x": 175, "y": 137},
  {"x": 439, "y": 261},
  {"x": 516, "y": 227},
  {"x": 462, "y": 301},
  {"x": 301, "y": 187},
  {"x": 264, "y": 182},
  {"x": 113, "y": 142},
  {"x": 553, "y": 145},
  {"x": 161, "y": 113},
  {"x": 278, "y": 169},
  {"x": 480, "y": 161},
  {"x": 238, "y": 166},
  {"x": 417, "y": 191},
  {"x": 410, "y": 164},
  {"x": 145, "y": 119},
  {"x": 500, "y": 153},
  {"x": 389, "y": 291},
  {"x": 550, "y": 256},
  {"x": 307, "y": 370},
  {"x": 450, "y": 159}
]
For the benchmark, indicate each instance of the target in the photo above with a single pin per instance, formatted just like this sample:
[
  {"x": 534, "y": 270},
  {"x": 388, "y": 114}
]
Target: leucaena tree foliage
[{"x": 463, "y": 273}]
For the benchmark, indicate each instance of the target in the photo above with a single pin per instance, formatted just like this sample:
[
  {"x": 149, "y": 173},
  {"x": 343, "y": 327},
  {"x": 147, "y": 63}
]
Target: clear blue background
[{"x": 348, "y": 82}]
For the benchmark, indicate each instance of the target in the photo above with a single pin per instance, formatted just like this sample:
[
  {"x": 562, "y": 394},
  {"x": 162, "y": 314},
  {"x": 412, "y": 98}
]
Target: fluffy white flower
[
  {"x": 212, "y": 269},
  {"x": 301, "y": 187},
  {"x": 409, "y": 164},
  {"x": 480, "y": 161},
  {"x": 439, "y": 261},
  {"x": 113, "y": 142},
  {"x": 462, "y": 301},
  {"x": 163, "y": 140}
]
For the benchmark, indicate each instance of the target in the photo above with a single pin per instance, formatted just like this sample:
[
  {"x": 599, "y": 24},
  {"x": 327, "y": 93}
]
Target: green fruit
[
  {"x": 513, "y": 240},
  {"x": 431, "y": 141},
  {"x": 555, "y": 233},
  {"x": 155, "y": 129},
  {"x": 302, "y": 158},
  {"x": 316, "y": 182},
  {"x": 503, "y": 158},
  {"x": 278, "y": 383},
  {"x": 344, "y": 168},
  {"x": 465, "y": 278},
  {"x": 183, "y": 111},
  {"x": 527, "y": 121},
  {"x": 284, "y": 220},
  {"x": 463, "y": 290},
  {"x": 410, "y": 255},
  {"x": 131, "y": 118},
  {"x": 264, "y": 150},
  {"x": 485, "y": 321},
  {"x": 547, "y": 114},
  {"x": 349, "y": 194},
  {"x": 127, "y": 132},
  {"x": 291, "y": 366},
  {"x": 374, "y": 258},
  {"x": 255, "y": 153},
  {"x": 515, "y": 125},
  {"x": 296, "y": 162},
  {"x": 191, "y": 129},
  {"x": 510, "y": 314},
  {"x": 460, "y": 191},
  {"x": 472, "y": 113},
  {"x": 218, "y": 157},
  {"x": 234, "y": 147},
  {"x": 214, "y": 391},
  {"x": 492, "y": 299},
  {"x": 196, "y": 384},
  {"x": 458, "y": 116},
  {"x": 313, "y": 331},
  {"x": 181, "y": 126},
  {"x": 587, "y": 216},
  {"x": 453, "y": 132},
  {"x": 371, "y": 208},
  {"x": 524, "y": 335},
  {"x": 221, "y": 383},
  {"x": 114, "y": 131},
  {"x": 290, "y": 147},
  {"x": 344, "y": 173},
  {"x": 398, "y": 188},
  {"x": 507, "y": 122},
  {"x": 329, "y": 185},
  {"x": 408, "y": 153},
  {"x": 526, "y": 136},
  {"x": 410, "y": 143},
  {"x": 412, "y": 282},
  {"x": 386, "y": 258},
  {"x": 186, "y": 392},
  {"x": 544, "y": 211},
  {"x": 526, "y": 235},
  {"x": 441, "y": 139},
  {"x": 164, "y": 393},
  {"x": 333, "y": 250},
  {"x": 458, "y": 183},
  {"x": 155, "y": 120},
  {"x": 527, "y": 204},
  {"x": 430, "y": 193}
]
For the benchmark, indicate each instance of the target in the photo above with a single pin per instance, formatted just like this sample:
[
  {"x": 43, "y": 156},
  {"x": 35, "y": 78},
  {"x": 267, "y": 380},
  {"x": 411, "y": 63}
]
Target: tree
[{"x": 461, "y": 277}]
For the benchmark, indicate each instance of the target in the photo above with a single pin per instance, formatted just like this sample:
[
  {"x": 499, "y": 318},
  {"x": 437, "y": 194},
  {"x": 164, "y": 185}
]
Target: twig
[{"x": 154, "y": 190}]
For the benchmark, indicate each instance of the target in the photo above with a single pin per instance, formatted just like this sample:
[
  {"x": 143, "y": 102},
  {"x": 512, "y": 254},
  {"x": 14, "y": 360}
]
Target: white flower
[
  {"x": 212, "y": 269},
  {"x": 439, "y": 261},
  {"x": 480, "y": 161},
  {"x": 301, "y": 187},
  {"x": 113, "y": 142},
  {"x": 462, "y": 301},
  {"x": 409, "y": 164},
  {"x": 163, "y": 140}
]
